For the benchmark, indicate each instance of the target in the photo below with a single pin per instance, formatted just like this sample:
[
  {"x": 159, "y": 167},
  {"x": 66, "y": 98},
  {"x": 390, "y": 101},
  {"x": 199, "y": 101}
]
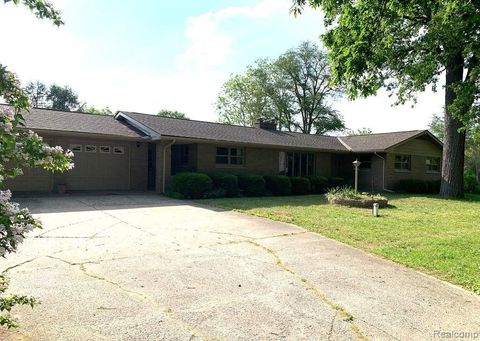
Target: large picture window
[
  {"x": 229, "y": 156},
  {"x": 432, "y": 164},
  {"x": 300, "y": 164},
  {"x": 403, "y": 162}
]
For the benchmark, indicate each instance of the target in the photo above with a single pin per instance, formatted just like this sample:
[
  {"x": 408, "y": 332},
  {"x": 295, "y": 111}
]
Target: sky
[{"x": 148, "y": 55}]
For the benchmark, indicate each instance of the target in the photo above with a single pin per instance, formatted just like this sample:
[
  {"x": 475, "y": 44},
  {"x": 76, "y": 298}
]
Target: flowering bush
[{"x": 19, "y": 149}]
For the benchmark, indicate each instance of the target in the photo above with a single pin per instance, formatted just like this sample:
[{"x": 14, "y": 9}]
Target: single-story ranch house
[{"x": 133, "y": 151}]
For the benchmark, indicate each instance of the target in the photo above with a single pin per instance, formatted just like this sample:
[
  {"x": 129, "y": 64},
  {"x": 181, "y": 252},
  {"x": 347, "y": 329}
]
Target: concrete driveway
[{"x": 143, "y": 267}]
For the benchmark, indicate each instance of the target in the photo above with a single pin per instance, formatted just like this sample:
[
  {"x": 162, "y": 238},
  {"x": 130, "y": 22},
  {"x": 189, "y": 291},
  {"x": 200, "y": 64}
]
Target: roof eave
[{"x": 140, "y": 126}]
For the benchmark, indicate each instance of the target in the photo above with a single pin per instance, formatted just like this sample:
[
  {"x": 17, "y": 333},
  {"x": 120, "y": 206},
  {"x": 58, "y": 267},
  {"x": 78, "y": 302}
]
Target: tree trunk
[{"x": 454, "y": 141}]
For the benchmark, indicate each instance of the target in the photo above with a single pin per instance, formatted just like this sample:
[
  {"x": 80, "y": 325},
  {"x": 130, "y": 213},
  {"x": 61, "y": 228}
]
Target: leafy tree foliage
[
  {"x": 103, "y": 111},
  {"x": 62, "y": 98},
  {"x": 172, "y": 114},
  {"x": 406, "y": 46},
  {"x": 20, "y": 149},
  {"x": 294, "y": 90},
  {"x": 37, "y": 94},
  {"x": 361, "y": 131}
]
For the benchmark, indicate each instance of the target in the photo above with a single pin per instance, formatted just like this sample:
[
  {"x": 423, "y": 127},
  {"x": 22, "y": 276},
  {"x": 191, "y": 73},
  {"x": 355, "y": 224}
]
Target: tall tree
[
  {"x": 172, "y": 114},
  {"x": 406, "y": 46},
  {"x": 37, "y": 93},
  {"x": 294, "y": 90},
  {"x": 62, "y": 98},
  {"x": 472, "y": 143}
]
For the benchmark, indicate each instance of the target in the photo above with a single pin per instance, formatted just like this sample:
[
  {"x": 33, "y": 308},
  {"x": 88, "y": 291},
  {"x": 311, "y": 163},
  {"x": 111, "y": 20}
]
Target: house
[{"x": 133, "y": 151}]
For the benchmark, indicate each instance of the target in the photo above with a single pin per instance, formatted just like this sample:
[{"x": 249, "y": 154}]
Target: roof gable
[{"x": 383, "y": 141}]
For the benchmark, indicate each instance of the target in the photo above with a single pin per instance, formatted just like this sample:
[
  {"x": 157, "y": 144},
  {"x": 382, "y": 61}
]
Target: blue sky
[{"x": 149, "y": 55}]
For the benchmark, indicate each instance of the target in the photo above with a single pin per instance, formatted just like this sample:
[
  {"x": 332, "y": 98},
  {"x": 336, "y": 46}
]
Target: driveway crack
[
  {"x": 345, "y": 315},
  {"x": 190, "y": 328}
]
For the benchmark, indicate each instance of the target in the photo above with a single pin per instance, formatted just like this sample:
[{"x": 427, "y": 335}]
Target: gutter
[
  {"x": 383, "y": 173},
  {"x": 164, "y": 163}
]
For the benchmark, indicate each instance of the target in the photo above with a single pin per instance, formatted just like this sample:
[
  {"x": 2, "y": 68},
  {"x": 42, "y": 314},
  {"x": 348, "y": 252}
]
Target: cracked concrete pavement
[{"x": 144, "y": 267}]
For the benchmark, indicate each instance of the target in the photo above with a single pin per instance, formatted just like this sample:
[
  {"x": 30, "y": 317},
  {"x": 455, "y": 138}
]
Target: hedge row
[
  {"x": 420, "y": 186},
  {"x": 200, "y": 185}
]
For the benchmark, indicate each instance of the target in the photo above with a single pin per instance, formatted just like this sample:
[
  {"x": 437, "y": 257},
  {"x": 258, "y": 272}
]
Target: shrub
[
  {"x": 278, "y": 184},
  {"x": 471, "y": 184},
  {"x": 346, "y": 196},
  {"x": 192, "y": 185},
  {"x": 227, "y": 182},
  {"x": 334, "y": 181},
  {"x": 174, "y": 195},
  {"x": 319, "y": 184},
  {"x": 251, "y": 185},
  {"x": 300, "y": 185},
  {"x": 420, "y": 186},
  {"x": 215, "y": 193}
]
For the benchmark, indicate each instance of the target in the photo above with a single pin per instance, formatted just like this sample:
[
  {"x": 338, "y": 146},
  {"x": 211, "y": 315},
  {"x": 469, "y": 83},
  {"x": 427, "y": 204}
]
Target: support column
[{"x": 163, "y": 148}]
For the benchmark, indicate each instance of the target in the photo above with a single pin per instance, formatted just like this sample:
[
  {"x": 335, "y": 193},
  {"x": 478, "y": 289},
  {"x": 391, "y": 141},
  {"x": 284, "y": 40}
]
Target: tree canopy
[
  {"x": 294, "y": 90},
  {"x": 405, "y": 47},
  {"x": 172, "y": 114}
]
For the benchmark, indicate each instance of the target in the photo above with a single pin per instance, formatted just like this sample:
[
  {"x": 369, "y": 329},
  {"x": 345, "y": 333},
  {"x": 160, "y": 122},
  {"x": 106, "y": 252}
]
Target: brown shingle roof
[
  {"x": 378, "y": 142},
  {"x": 223, "y": 132},
  {"x": 45, "y": 119}
]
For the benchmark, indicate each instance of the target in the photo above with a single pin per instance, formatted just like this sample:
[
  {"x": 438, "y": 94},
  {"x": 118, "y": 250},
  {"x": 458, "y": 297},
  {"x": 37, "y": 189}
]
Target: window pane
[
  {"x": 223, "y": 160},
  {"x": 222, "y": 151},
  {"x": 290, "y": 164},
  {"x": 303, "y": 164},
  {"x": 236, "y": 160},
  {"x": 311, "y": 164},
  {"x": 296, "y": 164},
  {"x": 233, "y": 151}
]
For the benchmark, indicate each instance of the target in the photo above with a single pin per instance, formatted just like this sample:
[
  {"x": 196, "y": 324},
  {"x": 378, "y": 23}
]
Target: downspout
[
  {"x": 383, "y": 173},
  {"x": 164, "y": 163}
]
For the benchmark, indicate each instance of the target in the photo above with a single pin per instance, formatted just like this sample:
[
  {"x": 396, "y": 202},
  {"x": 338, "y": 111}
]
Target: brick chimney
[{"x": 264, "y": 124}]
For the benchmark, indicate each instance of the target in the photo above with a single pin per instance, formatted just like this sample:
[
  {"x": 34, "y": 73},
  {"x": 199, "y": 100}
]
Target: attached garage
[{"x": 109, "y": 155}]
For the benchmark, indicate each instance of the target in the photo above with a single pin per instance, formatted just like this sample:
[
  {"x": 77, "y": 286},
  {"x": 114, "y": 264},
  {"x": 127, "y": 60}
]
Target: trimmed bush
[
  {"x": 471, "y": 184},
  {"x": 334, "y": 182},
  {"x": 192, "y": 185},
  {"x": 227, "y": 182},
  {"x": 300, "y": 185},
  {"x": 319, "y": 184},
  {"x": 251, "y": 185},
  {"x": 278, "y": 184},
  {"x": 420, "y": 186}
]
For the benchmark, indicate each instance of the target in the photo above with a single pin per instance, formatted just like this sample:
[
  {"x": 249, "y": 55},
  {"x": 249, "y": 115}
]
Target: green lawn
[{"x": 437, "y": 236}]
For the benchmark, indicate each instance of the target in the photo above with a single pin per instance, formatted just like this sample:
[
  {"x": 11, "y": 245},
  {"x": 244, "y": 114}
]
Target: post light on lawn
[{"x": 357, "y": 164}]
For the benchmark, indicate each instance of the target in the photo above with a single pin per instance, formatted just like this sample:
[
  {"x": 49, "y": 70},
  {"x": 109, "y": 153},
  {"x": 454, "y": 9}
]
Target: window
[
  {"x": 104, "y": 149},
  {"x": 432, "y": 164},
  {"x": 118, "y": 150},
  {"x": 76, "y": 148},
  {"x": 403, "y": 162},
  {"x": 366, "y": 161},
  {"x": 90, "y": 148},
  {"x": 300, "y": 164},
  {"x": 229, "y": 156}
]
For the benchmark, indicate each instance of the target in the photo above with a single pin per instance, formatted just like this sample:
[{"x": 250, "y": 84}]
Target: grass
[{"x": 437, "y": 236}]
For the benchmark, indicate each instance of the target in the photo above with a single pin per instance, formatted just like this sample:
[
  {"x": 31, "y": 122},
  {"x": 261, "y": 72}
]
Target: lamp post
[{"x": 356, "y": 164}]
